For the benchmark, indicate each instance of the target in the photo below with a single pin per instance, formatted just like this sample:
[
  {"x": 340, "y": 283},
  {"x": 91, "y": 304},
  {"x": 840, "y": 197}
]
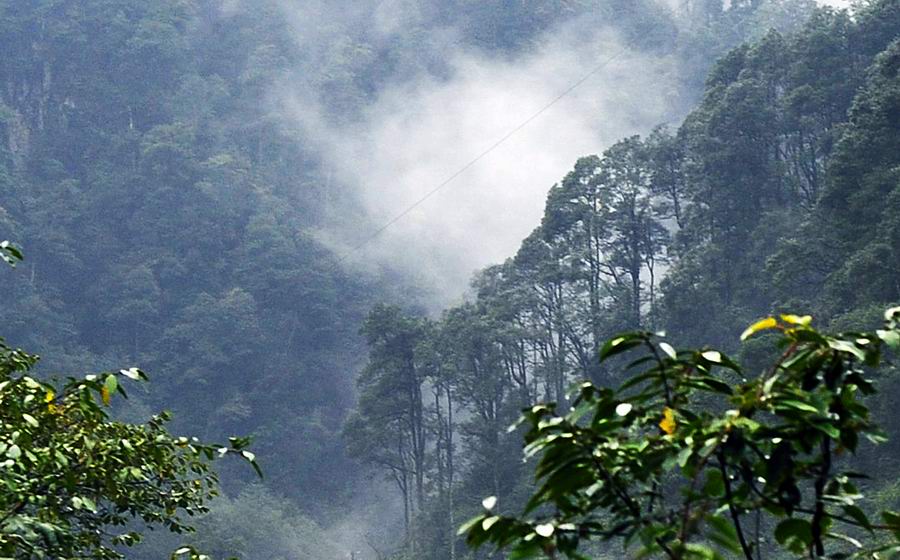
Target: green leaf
[
  {"x": 715, "y": 484},
  {"x": 684, "y": 456},
  {"x": 792, "y": 531},
  {"x": 700, "y": 552},
  {"x": 847, "y": 347},
  {"x": 892, "y": 314},
  {"x": 111, "y": 383},
  {"x": 9, "y": 253},
  {"x": 89, "y": 503},
  {"x": 891, "y": 518},
  {"x": 525, "y": 550},
  {"x": 845, "y": 538},
  {"x": 489, "y": 522},
  {"x": 828, "y": 429},
  {"x": 667, "y": 348},
  {"x": 623, "y": 409},
  {"x": 132, "y": 373},
  {"x": 469, "y": 525},
  {"x": 797, "y": 405},
  {"x": 890, "y": 338},
  {"x": 858, "y": 515},
  {"x": 109, "y": 386},
  {"x": 712, "y": 356},
  {"x": 620, "y": 344},
  {"x": 714, "y": 384},
  {"x": 723, "y": 533}
]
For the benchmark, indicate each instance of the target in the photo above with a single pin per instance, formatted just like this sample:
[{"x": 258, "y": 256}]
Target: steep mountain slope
[{"x": 156, "y": 234}]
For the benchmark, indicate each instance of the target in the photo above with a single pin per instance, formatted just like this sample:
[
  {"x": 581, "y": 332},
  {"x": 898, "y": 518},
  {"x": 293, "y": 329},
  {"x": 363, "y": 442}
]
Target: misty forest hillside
[
  {"x": 774, "y": 195},
  {"x": 175, "y": 213}
]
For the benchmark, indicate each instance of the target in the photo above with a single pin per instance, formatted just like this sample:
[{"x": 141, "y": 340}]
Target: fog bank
[{"x": 417, "y": 133}]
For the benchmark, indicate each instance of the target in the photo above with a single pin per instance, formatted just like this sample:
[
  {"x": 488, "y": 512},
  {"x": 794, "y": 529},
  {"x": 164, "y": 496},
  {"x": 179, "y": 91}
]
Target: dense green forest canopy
[{"x": 171, "y": 217}]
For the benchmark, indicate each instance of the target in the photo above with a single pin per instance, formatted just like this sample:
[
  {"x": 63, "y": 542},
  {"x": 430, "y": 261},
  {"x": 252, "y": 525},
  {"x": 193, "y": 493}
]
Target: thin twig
[{"x": 735, "y": 516}]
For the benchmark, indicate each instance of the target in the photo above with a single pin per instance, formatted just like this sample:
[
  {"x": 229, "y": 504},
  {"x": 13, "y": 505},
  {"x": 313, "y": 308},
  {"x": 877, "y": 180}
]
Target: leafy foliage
[
  {"x": 78, "y": 484},
  {"x": 678, "y": 458}
]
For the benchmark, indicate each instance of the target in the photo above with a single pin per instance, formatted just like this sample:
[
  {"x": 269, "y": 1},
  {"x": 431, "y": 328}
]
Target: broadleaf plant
[
  {"x": 690, "y": 459},
  {"x": 77, "y": 484}
]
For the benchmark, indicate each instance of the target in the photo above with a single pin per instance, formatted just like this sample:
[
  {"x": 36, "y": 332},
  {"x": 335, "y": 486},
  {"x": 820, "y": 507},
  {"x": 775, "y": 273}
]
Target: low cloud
[{"x": 416, "y": 134}]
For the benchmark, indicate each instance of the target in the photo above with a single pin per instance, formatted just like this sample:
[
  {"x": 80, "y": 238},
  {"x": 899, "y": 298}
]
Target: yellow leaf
[
  {"x": 104, "y": 394},
  {"x": 667, "y": 424},
  {"x": 797, "y": 320},
  {"x": 767, "y": 323},
  {"x": 48, "y": 398}
]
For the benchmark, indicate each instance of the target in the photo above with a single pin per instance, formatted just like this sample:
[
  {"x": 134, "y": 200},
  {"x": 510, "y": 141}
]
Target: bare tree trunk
[{"x": 450, "y": 503}]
